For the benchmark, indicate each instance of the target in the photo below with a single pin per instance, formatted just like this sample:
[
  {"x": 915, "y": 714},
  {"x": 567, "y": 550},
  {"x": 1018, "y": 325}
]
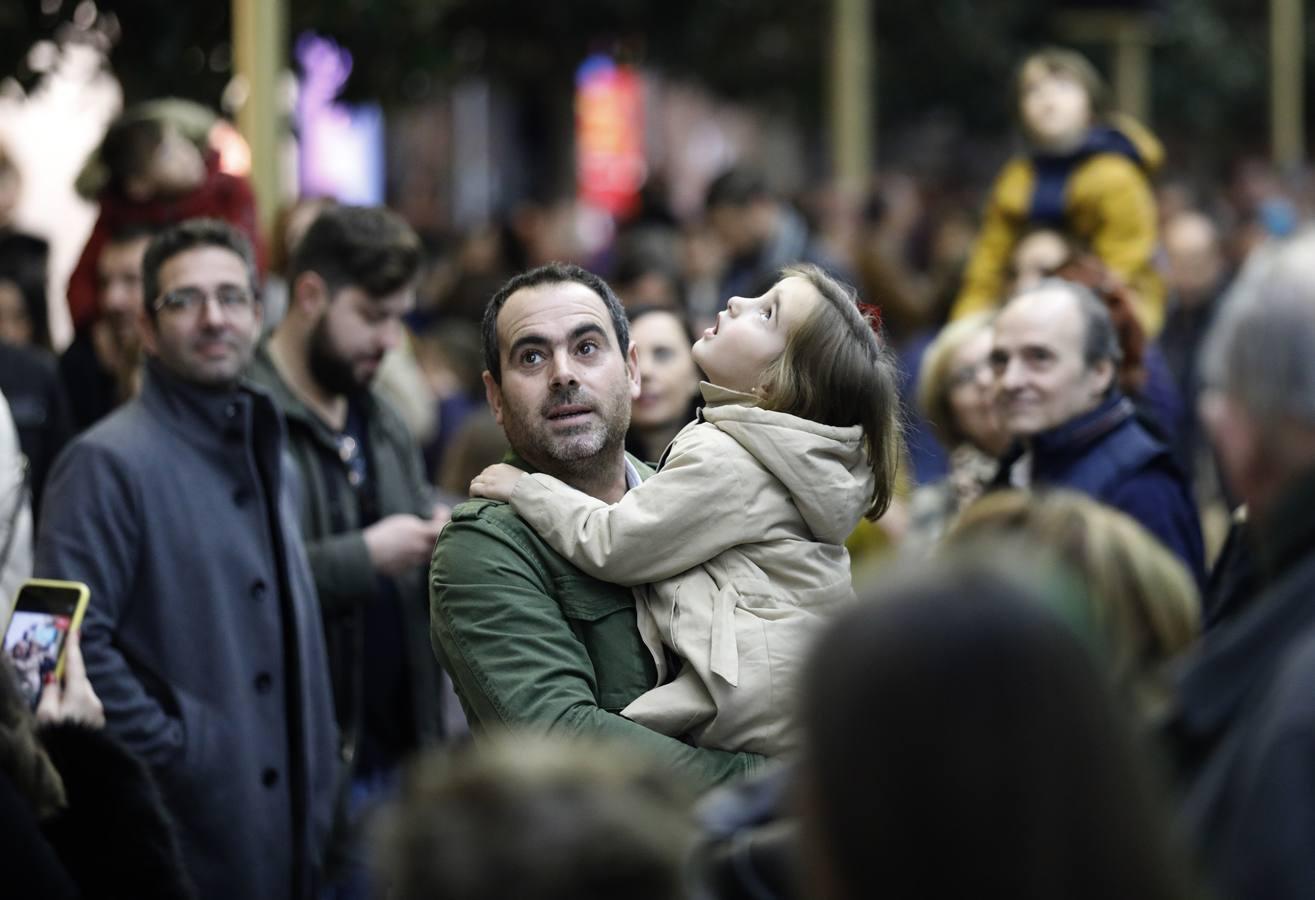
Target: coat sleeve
[
  {"x": 684, "y": 515},
  {"x": 516, "y": 661},
  {"x": 984, "y": 277},
  {"x": 1125, "y": 235},
  {"x": 91, "y": 531},
  {"x": 342, "y": 569},
  {"x": 1126, "y": 232}
]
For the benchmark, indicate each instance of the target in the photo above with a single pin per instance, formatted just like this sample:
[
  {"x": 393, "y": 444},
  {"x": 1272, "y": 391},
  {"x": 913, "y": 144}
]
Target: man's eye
[
  {"x": 587, "y": 348},
  {"x": 767, "y": 312},
  {"x": 531, "y": 357}
]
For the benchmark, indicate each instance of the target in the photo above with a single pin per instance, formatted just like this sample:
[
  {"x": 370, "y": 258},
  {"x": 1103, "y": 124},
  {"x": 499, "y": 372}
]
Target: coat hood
[{"x": 824, "y": 468}]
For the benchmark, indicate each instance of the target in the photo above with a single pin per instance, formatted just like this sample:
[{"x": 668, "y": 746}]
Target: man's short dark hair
[
  {"x": 553, "y": 273},
  {"x": 130, "y": 232},
  {"x": 368, "y": 247},
  {"x": 189, "y": 235},
  {"x": 736, "y": 187}
]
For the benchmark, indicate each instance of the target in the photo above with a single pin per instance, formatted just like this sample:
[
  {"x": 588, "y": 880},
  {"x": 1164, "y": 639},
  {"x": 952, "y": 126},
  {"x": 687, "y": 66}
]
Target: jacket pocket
[
  {"x": 582, "y": 601},
  {"x": 603, "y": 617}
]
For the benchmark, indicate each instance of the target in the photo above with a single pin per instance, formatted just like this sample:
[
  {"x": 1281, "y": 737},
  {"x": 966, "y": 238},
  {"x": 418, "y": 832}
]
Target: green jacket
[
  {"x": 530, "y": 640},
  {"x": 344, "y": 576}
]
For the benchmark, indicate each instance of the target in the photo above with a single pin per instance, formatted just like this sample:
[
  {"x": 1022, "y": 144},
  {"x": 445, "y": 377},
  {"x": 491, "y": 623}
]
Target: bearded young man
[
  {"x": 531, "y": 641},
  {"x": 367, "y": 510}
]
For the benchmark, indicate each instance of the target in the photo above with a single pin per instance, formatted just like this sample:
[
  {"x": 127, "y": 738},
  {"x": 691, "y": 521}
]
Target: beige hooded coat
[{"x": 736, "y": 550}]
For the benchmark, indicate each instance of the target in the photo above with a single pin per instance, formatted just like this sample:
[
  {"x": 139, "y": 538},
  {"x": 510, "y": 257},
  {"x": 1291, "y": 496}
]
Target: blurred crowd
[{"x": 1076, "y": 661}]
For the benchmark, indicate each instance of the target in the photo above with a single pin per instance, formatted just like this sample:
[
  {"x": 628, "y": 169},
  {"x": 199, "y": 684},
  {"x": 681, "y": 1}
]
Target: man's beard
[
  {"x": 329, "y": 369},
  {"x": 573, "y": 451}
]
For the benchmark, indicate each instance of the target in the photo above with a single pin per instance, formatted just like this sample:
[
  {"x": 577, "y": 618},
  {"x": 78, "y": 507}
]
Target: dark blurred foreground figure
[
  {"x": 82, "y": 815},
  {"x": 1244, "y": 729},
  {"x": 989, "y": 759},
  {"x": 535, "y": 819}
]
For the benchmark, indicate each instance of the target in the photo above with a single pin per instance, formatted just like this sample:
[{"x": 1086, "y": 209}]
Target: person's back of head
[
  {"x": 1142, "y": 597},
  {"x": 960, "y": 742},
  {"x": 1258, "y": 370},
  {"x": 535, "y": 819}
]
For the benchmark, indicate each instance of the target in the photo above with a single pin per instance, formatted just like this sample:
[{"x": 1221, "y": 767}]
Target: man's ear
[
  {"x": 493, "y": 393},
  {"x": 1104, "y": 372},
  {"x": 632, "y": 370},
  {"x": 310, "y": 294}
]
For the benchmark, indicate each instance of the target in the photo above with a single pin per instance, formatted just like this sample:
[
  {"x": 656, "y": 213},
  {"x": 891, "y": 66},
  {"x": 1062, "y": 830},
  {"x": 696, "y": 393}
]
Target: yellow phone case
[{"x": 80, "y": 608}]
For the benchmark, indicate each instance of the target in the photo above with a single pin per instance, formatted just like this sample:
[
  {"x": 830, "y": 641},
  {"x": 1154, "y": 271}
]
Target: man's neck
[
  {"x": 288, "y": 352},
  {"x": 600, "y": 480}
]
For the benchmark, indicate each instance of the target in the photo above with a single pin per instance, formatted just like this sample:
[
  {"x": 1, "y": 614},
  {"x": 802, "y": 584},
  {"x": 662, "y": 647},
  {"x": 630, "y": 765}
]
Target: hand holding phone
[
  {"x": 74, "y": 700},
  {"x": 45, "y": 613}
]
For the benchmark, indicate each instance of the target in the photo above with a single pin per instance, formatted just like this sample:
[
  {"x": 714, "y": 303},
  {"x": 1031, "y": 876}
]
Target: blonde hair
[
  {"x": 1142, "y": 596},
  {"x": 937, "y": 367},
  {"x": 835, "y": 371}
]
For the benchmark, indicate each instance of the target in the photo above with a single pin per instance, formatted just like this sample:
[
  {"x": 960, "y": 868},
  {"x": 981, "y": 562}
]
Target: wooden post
[
  {"x": 1129, "y": 36},
  {"x": 260, "y": 50},
  {"x": 1287, "y": 76},
  {"x": 852, "y": 103}
]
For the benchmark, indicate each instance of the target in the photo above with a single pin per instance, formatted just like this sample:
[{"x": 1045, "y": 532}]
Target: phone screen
[{"x": 36, "y": 634}]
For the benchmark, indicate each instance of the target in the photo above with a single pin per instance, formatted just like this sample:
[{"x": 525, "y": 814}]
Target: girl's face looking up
[
  {"x": 1055, "y": 107},
  {"x": 750, "y": 334}
]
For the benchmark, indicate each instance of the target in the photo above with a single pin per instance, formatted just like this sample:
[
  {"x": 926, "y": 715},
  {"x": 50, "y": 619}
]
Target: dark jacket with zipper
[
  {"x": 344, "y": 576},
  {"x": 1110, "y": 456}
]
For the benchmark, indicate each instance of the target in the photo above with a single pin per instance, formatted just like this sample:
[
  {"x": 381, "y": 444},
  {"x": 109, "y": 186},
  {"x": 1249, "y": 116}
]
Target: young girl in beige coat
[{"x": 736, "y": 545}]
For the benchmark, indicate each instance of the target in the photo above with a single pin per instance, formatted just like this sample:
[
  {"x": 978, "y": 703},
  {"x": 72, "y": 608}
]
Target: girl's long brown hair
[{"x": 836, "y": 371}]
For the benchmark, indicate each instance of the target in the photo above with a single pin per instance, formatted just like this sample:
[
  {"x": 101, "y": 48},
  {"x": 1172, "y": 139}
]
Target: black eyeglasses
[{"x": 233, "y": 300}]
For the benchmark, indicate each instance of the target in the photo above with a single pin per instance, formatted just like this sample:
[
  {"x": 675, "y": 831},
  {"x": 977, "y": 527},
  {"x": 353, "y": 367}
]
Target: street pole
[
  {"x": 852, "y": 102},
  {"x": 1287, "y": 74},
  {"x": 260, "y": 56}
]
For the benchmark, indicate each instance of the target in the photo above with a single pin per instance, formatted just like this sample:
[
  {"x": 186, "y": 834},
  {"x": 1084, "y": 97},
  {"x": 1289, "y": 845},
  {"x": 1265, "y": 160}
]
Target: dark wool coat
[{"x": 203, "y": 635}]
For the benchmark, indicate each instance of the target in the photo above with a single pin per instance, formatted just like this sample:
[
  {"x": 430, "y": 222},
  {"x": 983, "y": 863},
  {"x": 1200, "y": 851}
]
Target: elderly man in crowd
[
  {"x": 1055, "y": 354},
  {"x": 529, "y": 640},
  {"x": 1244, "y": 728}
]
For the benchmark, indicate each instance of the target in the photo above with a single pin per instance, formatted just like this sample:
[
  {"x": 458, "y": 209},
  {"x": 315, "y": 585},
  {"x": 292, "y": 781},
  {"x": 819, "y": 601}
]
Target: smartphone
[{"x": 44, "y": 613}]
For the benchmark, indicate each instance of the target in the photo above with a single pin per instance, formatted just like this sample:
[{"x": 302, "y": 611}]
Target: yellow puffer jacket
[{"x": 1108, "y": 206}]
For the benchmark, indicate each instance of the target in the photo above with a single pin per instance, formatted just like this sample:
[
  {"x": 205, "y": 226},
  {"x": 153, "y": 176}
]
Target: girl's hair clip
[{"x": 873, "y": 314}]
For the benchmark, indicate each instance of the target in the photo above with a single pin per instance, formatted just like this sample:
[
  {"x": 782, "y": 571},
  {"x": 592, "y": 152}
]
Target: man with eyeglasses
[
  {"x": 203, "y": 636},
  {"x": 367, "y": 512}
]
